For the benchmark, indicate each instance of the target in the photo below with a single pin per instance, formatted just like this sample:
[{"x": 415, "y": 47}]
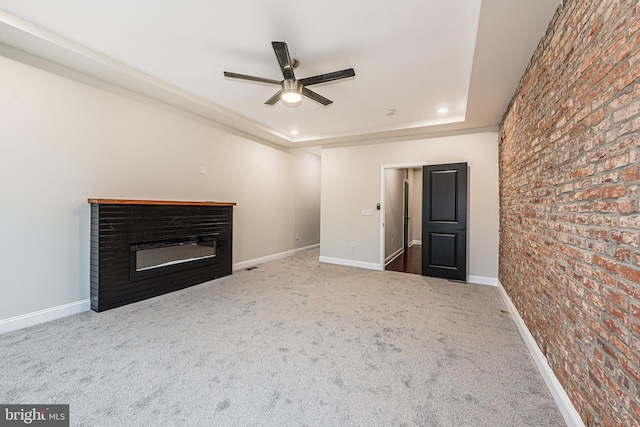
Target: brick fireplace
[{"x": 145, "y": 248}]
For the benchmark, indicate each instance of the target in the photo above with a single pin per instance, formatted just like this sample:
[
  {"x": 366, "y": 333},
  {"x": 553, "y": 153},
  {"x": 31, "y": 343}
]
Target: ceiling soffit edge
[
  {"x": 30, "y": 44},
  {"x": 430, "y": 133},
  {"x": 27, "y": 43}
]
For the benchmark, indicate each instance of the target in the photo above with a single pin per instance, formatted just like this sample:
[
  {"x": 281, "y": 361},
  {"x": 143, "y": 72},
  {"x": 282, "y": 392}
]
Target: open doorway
[
  {"x": 410, "y": 260},
  {"x": 401, "y": 217}
]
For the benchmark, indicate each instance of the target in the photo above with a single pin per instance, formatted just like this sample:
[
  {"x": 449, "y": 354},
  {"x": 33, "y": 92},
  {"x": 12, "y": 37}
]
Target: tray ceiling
[{"x": 411, "y": 59}]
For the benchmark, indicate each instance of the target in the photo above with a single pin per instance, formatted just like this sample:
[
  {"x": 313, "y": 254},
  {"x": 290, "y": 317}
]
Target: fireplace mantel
[{"x": 158, "y": 202}]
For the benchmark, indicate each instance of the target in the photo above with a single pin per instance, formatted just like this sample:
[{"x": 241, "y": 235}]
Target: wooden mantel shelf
[{"x": 158, "y": 202}]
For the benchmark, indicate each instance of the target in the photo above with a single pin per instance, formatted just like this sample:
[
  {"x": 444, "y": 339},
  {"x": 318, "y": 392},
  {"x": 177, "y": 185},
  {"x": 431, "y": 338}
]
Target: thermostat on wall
[{"x": 367, "y": 212}]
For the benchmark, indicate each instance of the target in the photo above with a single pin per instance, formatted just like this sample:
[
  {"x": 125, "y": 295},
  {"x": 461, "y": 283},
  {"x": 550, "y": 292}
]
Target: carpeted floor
[{"x": 290, "y": 343}]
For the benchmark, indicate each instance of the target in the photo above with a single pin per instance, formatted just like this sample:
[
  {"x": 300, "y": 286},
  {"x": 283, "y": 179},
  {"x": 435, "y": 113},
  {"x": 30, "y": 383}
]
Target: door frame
[
  {"x": 414, "y": 165},
  {"x": 406, "y": 191}
]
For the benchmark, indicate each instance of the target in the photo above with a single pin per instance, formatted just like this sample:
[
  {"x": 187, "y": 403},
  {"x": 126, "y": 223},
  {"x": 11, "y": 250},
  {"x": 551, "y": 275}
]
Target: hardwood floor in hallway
[{"x": 408, "y": 262}]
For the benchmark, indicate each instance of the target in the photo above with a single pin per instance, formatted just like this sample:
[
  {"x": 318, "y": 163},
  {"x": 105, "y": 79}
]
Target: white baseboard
[
  {"x": 481, "y": 280},
  {"x": 393, "y": 256},
  {"x": 415, "y": 242},
  {"x": 567, "y": 409},
  {"x": 350, "y": 263},
  {"x": 41, "y": 316},
  {"x": 53, "y": 313},
  {"x": 253, "y": 262}
]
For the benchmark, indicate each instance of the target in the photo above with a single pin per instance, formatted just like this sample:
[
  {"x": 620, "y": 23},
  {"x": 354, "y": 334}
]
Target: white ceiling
[{"x": 413, "y": 57}]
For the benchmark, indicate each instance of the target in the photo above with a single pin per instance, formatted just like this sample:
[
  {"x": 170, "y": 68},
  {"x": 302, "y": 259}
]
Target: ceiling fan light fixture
[
  {"x": 291, "y": 97},
  {"x": 291, "y": 91}
]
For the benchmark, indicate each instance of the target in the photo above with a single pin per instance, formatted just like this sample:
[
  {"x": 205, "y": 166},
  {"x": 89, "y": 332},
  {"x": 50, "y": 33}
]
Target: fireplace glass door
[{"x": 152, "y": 255}]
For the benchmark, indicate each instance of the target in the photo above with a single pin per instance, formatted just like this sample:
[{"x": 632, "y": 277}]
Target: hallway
[{"x": 408, "y": 262}]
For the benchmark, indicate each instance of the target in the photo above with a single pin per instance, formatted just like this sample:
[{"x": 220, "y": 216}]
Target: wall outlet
[
  {"x": 353, "y": 245},
  {"x": 392, "y": 240},
  {"x": 297, "y": 236},
  {"x": 202, "y": 170}
]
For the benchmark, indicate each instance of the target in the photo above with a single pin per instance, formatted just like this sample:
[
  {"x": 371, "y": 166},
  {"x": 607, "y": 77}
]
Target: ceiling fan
[{"x": 291, "y": 89}]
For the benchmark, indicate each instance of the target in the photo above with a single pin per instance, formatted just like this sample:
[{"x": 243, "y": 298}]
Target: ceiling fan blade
[
  {"x": 252, "y": 78},
  {"x": 275, "y": 98},
  {"x": 282, "y": 53},
  {"x": 336, "y": 75},
  {"x": 316, "y": 97}
]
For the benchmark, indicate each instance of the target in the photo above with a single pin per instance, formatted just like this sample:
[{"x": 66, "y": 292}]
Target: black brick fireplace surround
[{"x": 121, "y": 230}]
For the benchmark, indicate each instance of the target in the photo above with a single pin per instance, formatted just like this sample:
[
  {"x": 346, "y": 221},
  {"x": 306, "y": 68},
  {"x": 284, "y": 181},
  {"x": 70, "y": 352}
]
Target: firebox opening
[{"x": 157, "y": 254}]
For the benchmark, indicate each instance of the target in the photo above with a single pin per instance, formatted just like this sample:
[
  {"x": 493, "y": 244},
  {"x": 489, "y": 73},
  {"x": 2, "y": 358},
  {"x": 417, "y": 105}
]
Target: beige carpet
[{"x": 291, "y": 343}]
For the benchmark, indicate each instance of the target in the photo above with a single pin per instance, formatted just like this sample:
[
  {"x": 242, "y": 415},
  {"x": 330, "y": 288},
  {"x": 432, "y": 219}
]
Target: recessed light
[
  {"x": 390, "y": 112},
  {"x": 443, "y": 110},
  {"x": 294, "y": 132}
]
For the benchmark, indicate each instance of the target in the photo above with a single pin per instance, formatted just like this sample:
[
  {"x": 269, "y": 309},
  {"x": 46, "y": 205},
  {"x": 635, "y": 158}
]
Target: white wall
[
  {"x": 307, "y": 198},
  {"x": 393, "y": 210},
  {"x": 62, "y": 142},
  {"x": 351, "y": 181}
]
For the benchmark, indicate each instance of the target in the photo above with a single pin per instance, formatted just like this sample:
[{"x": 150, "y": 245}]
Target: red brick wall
[{"x": 569, "y": 215}]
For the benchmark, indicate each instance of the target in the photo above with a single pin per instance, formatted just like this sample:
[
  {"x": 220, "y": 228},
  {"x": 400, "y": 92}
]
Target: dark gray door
[{"x": 444, "y": 221}]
